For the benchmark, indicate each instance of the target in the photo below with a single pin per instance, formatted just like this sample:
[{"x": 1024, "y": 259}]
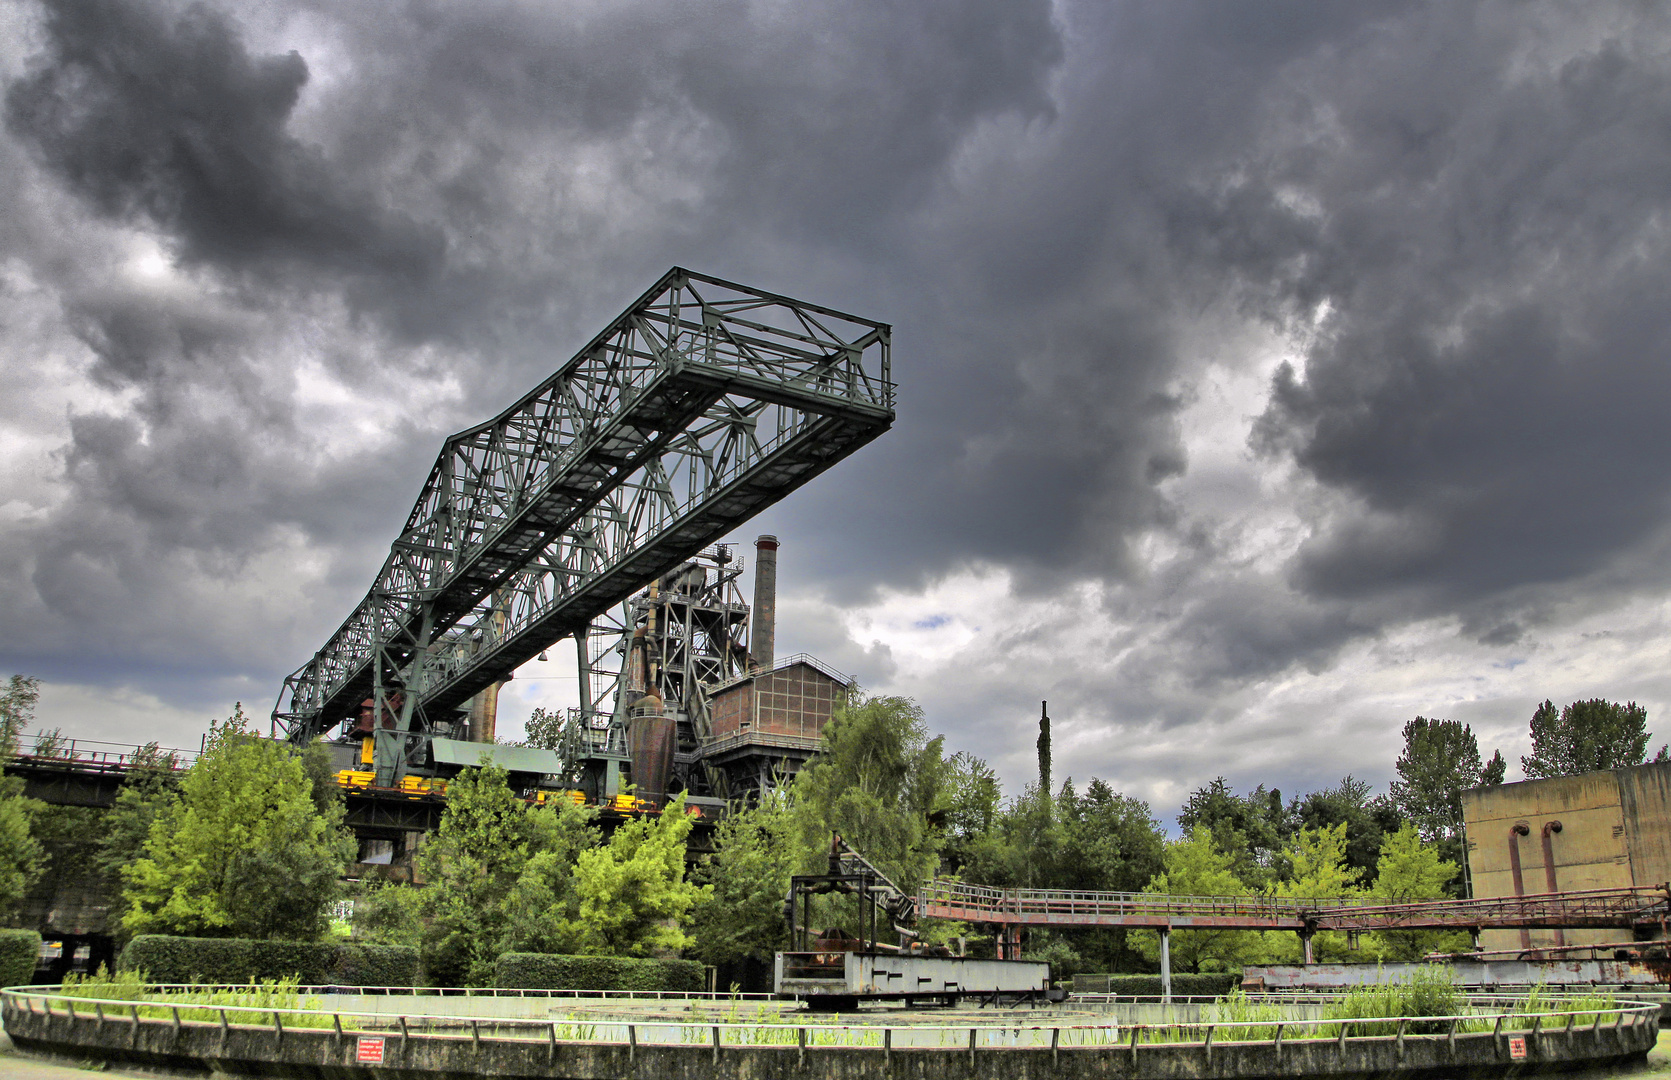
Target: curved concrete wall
[{"x": 474, "y": 1049}]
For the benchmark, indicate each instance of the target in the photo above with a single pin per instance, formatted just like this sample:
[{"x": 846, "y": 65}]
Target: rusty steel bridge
[
  {"x": 1601, "y": 909},
  {"x": 1009, "y": 911}
]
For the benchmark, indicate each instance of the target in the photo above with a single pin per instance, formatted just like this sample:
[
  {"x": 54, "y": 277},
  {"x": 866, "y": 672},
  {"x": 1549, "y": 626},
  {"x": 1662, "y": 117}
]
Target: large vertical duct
[
  {"x": 484, "y": 714},
  {"x": 651, "y": 733},
  {"x": 764, "y": 637}
]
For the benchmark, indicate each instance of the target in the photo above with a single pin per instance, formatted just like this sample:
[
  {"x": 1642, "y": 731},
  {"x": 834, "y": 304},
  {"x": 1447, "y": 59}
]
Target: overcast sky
[{"x": 1270, "y": 373}]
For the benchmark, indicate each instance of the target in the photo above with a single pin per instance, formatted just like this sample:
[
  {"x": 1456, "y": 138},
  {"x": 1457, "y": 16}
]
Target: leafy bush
[
  {"x": 240, "y": 960},
  {"x": 539, "y": 971},
  {"x": 20, "y": 950},
  {"x": 1183, "y": 985}
]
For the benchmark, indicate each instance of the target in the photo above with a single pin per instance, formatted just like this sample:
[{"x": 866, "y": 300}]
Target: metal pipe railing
[{"x": 1500, "y": 1016}]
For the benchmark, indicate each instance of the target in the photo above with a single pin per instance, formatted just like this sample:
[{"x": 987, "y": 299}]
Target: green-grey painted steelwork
[
  {"x": 700, "y": 405},
  {"x": 524, "y": 759}
]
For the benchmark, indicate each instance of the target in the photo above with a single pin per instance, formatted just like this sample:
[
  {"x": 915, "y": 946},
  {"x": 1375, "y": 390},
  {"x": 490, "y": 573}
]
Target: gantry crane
[{"x": 703, "y": 403}]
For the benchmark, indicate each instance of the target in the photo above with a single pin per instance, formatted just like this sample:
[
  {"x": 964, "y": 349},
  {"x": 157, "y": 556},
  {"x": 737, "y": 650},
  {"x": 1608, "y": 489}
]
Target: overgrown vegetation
[
  {"x": 199, "y": 856},
  {"x": 266, "y": 994},
  {"x": 245, "y": 849}
]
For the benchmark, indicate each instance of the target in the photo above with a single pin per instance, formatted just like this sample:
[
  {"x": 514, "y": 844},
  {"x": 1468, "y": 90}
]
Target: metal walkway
[{"x": 1624, "y": 909}]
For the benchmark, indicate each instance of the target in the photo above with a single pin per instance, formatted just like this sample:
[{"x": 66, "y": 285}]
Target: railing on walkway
[
  {"x": 99, "y": 755},
  {"x": 1501, "y": 1017},
  {"x": 1602, "y": 908}
]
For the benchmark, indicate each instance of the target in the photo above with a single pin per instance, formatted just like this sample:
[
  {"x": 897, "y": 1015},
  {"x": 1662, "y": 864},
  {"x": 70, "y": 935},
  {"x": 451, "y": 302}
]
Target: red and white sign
[
  {"x": 1517, "y": 1047},
  {"x": 369, "y": 1050}
]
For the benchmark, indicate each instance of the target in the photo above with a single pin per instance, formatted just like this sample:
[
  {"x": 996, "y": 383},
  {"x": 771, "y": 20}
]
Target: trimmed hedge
[
  {"x": 166, "y": 959},
  {"x": 1183, "y": 984},
  {"x": 20, "y": 952},
  {"x": 539, "y": 971},
  {"x": 376, "y": 965}
]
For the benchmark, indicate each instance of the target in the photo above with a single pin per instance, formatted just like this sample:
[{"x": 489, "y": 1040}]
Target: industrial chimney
[{"x": 765, "y": 602}]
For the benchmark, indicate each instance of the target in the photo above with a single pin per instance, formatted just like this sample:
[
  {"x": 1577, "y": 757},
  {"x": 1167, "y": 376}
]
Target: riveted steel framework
[{"x": 701, "y": 404}]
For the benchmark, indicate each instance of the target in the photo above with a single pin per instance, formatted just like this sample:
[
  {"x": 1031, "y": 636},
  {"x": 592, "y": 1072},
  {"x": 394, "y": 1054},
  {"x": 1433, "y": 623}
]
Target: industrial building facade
[{"x": 1599, "y": 830}]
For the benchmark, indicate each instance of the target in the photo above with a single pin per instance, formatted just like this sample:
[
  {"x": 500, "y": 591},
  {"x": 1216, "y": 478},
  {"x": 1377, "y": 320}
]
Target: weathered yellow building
[{"x": 1600, "y": 830}]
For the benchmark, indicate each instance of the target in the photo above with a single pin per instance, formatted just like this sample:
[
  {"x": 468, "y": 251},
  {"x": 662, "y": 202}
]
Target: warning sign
[
  {"x": 369, "y": 1050},
  {"x": 1517, "y": 1047}
]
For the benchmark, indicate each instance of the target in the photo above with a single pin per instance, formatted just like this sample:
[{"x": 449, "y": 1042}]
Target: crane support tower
[{"x": 703, "y": 403}]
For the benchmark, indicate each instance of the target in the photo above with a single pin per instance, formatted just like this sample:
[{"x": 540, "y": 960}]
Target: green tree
[
  {"x": 1412, "y": 870},
  {"x": 21, "y": 856},
  {"x": 973, "y": 806},
  {"x": 17, "y": 711},
  {"x": 634, "y": 899},
  {"x": 1441, "y": 760},
  {"x": 1587, "y": 736},
  {"x": 1196, "y": 866},
  {"x": 543, "y": 908},
  {"x": 1318, "y": 869},
  {"x": 242, "y": 851},
  {"x": 471, "y": 863},
  {"x": 1251, "y": 827},
  {"x": 147, "y": 790},
  {"x": 741, "y": 916},
  {"x": 544, "y": 730},
  {"x": 1112, "y": 841},
  {"x": 1367, "y": 818},
  {"x": 1494, "y": 771},
  {"x": 876, "y": 780},
  {"x": 389, "y": 913}
]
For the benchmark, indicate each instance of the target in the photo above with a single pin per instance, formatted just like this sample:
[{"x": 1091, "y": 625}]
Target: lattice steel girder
[{"x": 701, "y": 404}]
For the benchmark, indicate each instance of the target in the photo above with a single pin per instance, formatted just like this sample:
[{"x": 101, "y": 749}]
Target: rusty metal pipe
[
  {"x": 1549, "y": 828},
  {"x": 1516, "y": 831}
]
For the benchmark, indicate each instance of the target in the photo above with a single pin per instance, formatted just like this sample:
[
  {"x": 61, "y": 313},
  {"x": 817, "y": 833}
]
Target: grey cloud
[
  {"x": 168, "y": 118},
  {"x": 1489, "y": 380},
  {"x": 1453, "y": 211}
]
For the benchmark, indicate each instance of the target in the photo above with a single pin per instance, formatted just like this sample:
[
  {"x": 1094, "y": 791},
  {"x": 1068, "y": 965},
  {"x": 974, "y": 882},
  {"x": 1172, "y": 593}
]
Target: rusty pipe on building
[
  {"x": 1516, "y": 831},
  {"x": 1549, "y": 829},
  {"x": 764, "y": 632}
]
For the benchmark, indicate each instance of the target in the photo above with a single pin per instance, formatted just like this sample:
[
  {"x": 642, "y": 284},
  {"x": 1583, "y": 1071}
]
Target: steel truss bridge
[
  {"x": 1624, "y": 909},
  {"x": 703, "y": 403}
]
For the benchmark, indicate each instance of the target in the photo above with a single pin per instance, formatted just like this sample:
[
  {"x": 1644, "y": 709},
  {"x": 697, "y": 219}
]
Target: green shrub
[
  {"x": 538, "y": 971},
  {"x": 1183, "y": 985},
  {"x": 20, "y": 950},
  {"x": 376, "y": 965},
  {"x": 166, "y": 959}
]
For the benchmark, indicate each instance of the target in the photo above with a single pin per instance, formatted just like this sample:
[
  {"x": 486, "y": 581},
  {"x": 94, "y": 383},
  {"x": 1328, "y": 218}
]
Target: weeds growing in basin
[
  {"x": 1237, "y": 1007},
  {"x": 1587, "y": 1007},
  {"x": 131, "y": 986},
  {"x": 1430, "y": 990}
]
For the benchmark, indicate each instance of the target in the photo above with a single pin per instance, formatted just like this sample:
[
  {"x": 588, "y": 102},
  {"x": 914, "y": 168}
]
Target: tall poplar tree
[{"x": 1587, "y": 736}]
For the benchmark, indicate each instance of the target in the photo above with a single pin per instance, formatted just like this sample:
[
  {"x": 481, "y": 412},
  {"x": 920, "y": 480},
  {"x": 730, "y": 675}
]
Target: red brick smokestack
[{"x": 764, "y": 636}]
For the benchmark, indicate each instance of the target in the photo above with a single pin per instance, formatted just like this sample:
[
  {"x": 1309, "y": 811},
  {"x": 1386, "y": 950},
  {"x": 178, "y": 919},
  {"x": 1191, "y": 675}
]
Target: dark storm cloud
[
  {"x": 1454, "y": 213},
  {"x": 168, "y": 118},
  {"x": 1490, "y": 379}
]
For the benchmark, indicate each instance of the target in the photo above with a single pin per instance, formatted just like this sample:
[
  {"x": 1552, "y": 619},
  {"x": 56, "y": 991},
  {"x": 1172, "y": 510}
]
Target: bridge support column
[
  {"x": 1305, "y": 948},
  {"x": 1166, "y": 965}
]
